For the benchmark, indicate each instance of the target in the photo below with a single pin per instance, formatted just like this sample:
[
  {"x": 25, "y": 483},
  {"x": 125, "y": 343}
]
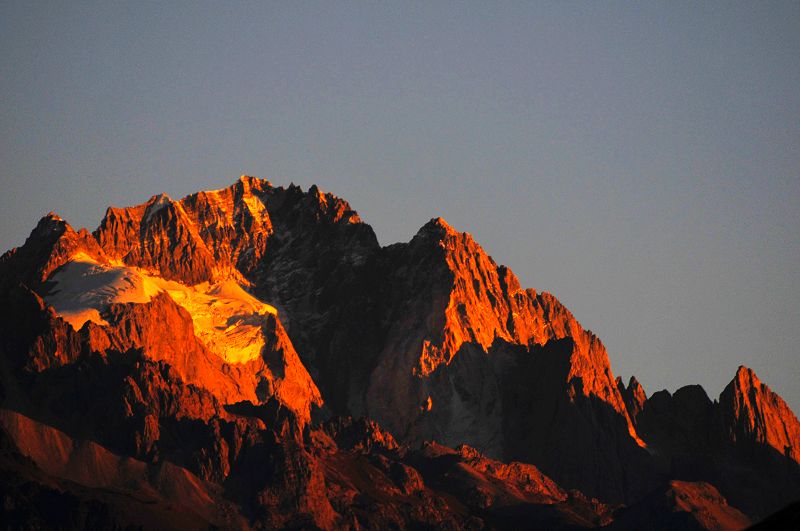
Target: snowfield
[{"x": 226, "y": 318}]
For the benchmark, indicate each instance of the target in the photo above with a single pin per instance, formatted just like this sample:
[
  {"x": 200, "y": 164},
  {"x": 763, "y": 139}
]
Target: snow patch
[
  {"x": 226, "y": 318},
  {"x": 83, "y": 287}
]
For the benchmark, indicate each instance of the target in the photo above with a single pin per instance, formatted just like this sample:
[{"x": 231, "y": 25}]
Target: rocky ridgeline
[{"x": 477, "y": 403}]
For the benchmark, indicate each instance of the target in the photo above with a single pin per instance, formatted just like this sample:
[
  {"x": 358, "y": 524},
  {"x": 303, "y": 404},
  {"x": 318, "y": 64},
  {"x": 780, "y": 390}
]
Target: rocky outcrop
[
  {"x": 233, "y": 223},
  {"x": 158, "y": 236},
  {"x": 202, "y": 237},
  {"x": 682, "y": 505},
  {"x": 363, "y": 435},
  {"x": 50, "y": 245},
  {"x": 164, "y": 332},
  {"x": 633, "y": 396}
]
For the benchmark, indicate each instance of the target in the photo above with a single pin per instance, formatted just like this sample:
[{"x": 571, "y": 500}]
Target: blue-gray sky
[{"x": 641, "y": 162}]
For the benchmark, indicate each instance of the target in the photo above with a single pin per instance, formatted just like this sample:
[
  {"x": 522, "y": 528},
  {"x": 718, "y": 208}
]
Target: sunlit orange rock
[
  {"x": 464, "y": 334},
  {"x": 753, "y": 414}
]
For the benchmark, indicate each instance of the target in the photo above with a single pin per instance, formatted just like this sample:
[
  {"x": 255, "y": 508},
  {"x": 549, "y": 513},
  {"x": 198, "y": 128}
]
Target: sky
[{"x": 641, "y": 161}]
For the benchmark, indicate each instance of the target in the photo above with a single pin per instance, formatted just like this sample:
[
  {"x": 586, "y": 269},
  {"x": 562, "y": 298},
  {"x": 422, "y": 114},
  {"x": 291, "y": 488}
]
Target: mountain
[
  {"x": 681, "y": 505},
  {"x": 742, "y": 443},
  {"x": 255, "y": 350}
]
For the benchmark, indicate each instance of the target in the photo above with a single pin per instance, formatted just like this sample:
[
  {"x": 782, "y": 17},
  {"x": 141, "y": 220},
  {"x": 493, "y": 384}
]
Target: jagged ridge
[{"x": 432, "y": 338}]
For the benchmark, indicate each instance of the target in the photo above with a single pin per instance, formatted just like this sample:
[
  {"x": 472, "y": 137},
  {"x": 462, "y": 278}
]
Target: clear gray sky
[{"x": 641, "y": 162}]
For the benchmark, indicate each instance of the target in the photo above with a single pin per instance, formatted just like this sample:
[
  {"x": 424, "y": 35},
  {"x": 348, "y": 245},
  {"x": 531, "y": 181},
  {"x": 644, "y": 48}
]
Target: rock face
[
  {"x": 202, "y": 237},
  {"x": 633, "y": 396},
  {"x": 682, "y": 505},
  {"x": 451, "y": 348},
  {"x": 256, "y": 347},
  {"x": 163, "y": 330},
  {"x": 754, "y": 416},
  {"x": 50, "y": 245}
]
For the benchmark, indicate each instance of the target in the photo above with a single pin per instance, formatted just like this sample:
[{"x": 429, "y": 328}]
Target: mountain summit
[{"x": 252, "y": 357}]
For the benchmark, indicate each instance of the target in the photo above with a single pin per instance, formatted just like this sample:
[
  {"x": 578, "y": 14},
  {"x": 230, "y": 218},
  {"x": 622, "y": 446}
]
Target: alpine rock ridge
[{"x": 251, "y": 357}]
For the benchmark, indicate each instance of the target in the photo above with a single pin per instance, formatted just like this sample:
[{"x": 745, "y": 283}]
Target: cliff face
[
  {"x": 433, "y": 339},
  {"x": 236, "y": 333},
  {"x": 467, "y": 356},
  {"x": 754, "y": 415},
  {"x": 202, "y": 237},
  {"x": 50, "y": 245},
  {"x": 163, "y": 331},
  {"x": 633, "y": 396}
]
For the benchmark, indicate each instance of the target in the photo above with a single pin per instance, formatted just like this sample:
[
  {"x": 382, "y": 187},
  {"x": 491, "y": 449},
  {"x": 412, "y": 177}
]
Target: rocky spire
[
  {"x": 633, "y": 396},
  {"x": 754, "y": 414}
]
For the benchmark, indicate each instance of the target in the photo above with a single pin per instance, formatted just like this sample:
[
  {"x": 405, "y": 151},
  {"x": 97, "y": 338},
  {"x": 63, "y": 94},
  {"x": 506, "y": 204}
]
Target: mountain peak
[
  {"x": 754, "y": 413},
  {"x": 51, "y": 244},
  {"x": 745, "y": 381},
  {"x": 440, "y": 222},
  {"x": 746, "y": 374},
  {"x": 249, "y": 183},
  {"x": 155, "y": 204},
  {"x": 249, "y": 179},
  {"x": 52, "y": 222},
  {"x": 439, "y": 227},
  {"x": 53, "y": 216}
]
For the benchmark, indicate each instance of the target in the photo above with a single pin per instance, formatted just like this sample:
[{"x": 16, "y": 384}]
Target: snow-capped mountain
[{"x": 252, "y": 357}]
